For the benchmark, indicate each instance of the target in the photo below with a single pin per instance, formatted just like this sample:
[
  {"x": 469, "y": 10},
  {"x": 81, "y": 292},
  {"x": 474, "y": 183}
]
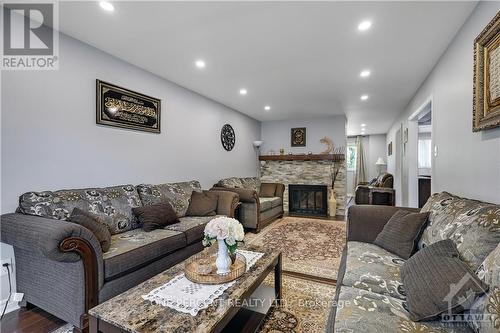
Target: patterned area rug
[
  {"x": 305, "y": 308},
  {"x": 309, "y": 246}
]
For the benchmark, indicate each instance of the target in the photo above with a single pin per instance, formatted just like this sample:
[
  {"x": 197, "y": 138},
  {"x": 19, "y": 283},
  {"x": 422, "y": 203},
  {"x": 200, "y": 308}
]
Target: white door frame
[{"x": 412, "y": 150}]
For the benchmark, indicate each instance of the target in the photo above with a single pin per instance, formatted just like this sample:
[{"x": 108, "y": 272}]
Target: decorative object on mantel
[
  {"x": 486, "y": 98},
  {"x": 227, "y": 137},
  {"x": 329, "y": 145},
  {"x": 298, "y": 137},
  {"x": 120, "y": 107},
  {"x": 228, "y": 232},
  {"x": 282, "y": 151}
]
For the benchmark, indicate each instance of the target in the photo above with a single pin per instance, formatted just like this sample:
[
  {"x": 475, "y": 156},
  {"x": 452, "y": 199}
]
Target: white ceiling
[{"x": 302, "y": 59}]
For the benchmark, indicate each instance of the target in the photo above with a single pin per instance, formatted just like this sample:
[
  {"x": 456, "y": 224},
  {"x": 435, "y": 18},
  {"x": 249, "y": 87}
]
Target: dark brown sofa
[
  {"x": 381, "y": 192},
  {"x": 261, "y": 203},
  {"x": 60, "y": 265}
]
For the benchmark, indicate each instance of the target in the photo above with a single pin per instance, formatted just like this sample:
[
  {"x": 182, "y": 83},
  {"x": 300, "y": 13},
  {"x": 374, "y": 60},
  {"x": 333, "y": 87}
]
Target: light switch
[{"x": 435, "y": 150}]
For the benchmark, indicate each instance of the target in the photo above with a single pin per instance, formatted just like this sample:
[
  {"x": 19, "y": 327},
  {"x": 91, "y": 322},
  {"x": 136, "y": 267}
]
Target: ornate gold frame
[{"x": 485, "y": 111}]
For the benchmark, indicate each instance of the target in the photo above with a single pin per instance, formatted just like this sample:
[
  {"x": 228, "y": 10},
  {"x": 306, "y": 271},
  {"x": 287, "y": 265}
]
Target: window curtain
[
  {"x": 424, "y": 153},
  {"x": 360, "y": 175}
]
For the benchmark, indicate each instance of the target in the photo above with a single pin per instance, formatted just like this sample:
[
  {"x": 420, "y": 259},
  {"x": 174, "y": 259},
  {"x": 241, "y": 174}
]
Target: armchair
[{"x": 381, "y": 192}]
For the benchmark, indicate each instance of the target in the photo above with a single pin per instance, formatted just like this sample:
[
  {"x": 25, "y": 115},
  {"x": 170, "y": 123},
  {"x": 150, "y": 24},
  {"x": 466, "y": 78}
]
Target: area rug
[
  {"x": 309, "y": 246},
  {"x": 305, "y": 307}
]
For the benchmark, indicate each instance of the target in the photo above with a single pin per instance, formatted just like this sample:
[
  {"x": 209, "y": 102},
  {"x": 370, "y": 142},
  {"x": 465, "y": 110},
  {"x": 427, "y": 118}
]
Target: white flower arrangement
[{"x": 224, "y": 229}]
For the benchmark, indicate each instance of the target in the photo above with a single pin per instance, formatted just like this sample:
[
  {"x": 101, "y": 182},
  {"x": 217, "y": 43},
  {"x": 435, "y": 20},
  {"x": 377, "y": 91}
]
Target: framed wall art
[
  {"x": 298, "y": 137},
  {"x": 486, "y": 100},
  {"x": 120, "y": 107},
  {"x": 389, "y": 149}
]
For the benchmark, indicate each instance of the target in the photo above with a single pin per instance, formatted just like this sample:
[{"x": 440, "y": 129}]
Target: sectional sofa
[
  {"x": 370, "y": 296},
  {"x": 60, "y": 265}
]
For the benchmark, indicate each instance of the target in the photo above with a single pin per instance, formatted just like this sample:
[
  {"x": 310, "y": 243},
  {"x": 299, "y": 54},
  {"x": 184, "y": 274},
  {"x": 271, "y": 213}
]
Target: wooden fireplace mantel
[{"x": 303, "y": 157}]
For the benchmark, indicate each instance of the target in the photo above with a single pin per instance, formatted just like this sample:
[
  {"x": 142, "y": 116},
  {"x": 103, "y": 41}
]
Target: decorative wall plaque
[
  {"x": 227, "y": 137},
  {"x": 121, "y": 107},
  {"x": 486, "y": 102},
  {"x": 298, "y": 137}
]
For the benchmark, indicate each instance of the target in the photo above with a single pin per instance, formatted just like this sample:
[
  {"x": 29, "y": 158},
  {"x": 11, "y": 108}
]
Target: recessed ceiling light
[
  {"x": 364, "y": 97},
  {"x": 243, "y": 91},
  {"x": 363, "y": 125},
  {"x": 365, "y": 73},
  {"x": 267, "y": 108},
  {"x": 364, "y": 25},
  {"x": 107, "y": 6},
  {"x": 200, "y": 64}
]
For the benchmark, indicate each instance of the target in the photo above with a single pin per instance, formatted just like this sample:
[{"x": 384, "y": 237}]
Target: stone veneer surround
[{"x": 308, "y": 173}]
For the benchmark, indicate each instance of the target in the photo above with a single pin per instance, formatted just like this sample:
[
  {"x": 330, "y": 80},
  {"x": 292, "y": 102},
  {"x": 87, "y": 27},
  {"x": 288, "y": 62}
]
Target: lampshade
[
  {"x": 257, "y": 144},
  {"x": 380, "y": 161}
]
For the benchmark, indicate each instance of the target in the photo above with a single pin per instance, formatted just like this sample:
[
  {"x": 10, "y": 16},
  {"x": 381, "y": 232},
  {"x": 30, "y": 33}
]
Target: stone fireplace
[{"x": 305, "y": 170}]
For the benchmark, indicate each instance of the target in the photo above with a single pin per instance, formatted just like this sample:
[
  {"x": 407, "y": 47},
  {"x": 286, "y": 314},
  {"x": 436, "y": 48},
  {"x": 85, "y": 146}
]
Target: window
[
  {"x": 424, "y": 153},
  {"x": 352, "y": 155}
]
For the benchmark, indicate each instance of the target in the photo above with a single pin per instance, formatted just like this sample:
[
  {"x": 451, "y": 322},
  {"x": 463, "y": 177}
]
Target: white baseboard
[{"x": 12, "y": 306}]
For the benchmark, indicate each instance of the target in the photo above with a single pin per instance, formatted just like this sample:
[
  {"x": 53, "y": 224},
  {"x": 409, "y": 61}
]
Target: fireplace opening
[{"x": 307, "y": 200}]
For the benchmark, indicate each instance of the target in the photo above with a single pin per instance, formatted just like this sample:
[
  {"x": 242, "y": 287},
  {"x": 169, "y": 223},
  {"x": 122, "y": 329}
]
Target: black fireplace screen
[{"x": 307, "y": 200}]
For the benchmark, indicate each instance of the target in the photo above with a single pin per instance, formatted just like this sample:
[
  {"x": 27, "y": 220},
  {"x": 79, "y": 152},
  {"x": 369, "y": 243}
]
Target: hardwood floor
[{"x": 32, "y": 320}]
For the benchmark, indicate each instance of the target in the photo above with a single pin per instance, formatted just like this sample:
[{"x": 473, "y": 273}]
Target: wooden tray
[{"x": 191, "y": 269}]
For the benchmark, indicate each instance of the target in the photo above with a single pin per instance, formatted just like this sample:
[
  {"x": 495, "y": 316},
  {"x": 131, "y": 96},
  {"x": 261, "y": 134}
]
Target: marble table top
[{"x": 130, "y": 312}]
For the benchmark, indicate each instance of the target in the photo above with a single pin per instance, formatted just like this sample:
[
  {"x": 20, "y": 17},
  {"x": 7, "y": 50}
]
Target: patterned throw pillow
[
  {"x": 473, "y": 225},
  {"x": 251, "y": 183},
  {"x": 485, "y": 313},
  {"x": 177, "y": 194},
  {"x": 232, "y": 182},
  {"x": 113, "y": 204}
]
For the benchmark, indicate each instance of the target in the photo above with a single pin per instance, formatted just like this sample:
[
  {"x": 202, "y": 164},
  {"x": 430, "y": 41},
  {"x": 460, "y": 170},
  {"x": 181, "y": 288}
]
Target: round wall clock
[{"x": 227, "y": 137}]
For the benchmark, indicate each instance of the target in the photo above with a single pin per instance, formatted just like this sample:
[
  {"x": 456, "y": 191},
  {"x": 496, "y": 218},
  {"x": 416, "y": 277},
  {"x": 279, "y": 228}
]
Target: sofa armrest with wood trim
[
  {"x": 63, "y": 257},
  {"x": 365, "y": 222}
]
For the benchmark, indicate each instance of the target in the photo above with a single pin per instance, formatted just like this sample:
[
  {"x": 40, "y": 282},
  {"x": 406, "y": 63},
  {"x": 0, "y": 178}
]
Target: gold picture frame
[
  {"x": 121, "y": 107},
  {"x": 486, "y": 98}
]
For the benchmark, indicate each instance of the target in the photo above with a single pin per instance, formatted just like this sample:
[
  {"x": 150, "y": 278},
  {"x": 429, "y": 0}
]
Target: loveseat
[
  {"x": 60, "y": 265},
  {"x": 261, "y": 203},
  {"x": 370, "y": 295}
]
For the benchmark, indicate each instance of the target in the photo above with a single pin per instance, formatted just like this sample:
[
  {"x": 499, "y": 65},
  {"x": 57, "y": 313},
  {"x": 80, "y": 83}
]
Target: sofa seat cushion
[
  {"x": 268, "y": 203},
  {"x": 113, "y": 204},
  {"x": 372, "y": 268},
  {"x": 132, "y": 249},
  {"x": 177, "y": 194},
  {"x": 192, "y": 227},
  {"x": 364, "y": 311},
  {"x": 473, "y": 225}
]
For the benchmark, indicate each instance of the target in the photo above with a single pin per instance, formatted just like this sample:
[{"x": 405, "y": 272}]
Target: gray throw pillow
[
  {"x": 438, "y": 282},
  {"x": 401, "y": 233},
  {"x": 95, "y": 224}
]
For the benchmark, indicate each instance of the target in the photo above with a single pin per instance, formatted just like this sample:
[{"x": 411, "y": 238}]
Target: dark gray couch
[
  {"x": 60, "y": 265},
  {"x": 370, "y": 296},
  {"x": 261, "y": 203}
]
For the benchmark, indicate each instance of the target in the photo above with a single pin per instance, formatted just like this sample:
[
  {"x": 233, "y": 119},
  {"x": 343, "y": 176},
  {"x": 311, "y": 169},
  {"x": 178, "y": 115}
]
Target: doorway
[{"x": 420, "y": 155}]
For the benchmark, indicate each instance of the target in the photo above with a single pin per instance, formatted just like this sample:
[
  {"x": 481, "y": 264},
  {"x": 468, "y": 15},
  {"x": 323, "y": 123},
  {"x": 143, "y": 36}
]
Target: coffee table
[{"x": 129, "y": 312}]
